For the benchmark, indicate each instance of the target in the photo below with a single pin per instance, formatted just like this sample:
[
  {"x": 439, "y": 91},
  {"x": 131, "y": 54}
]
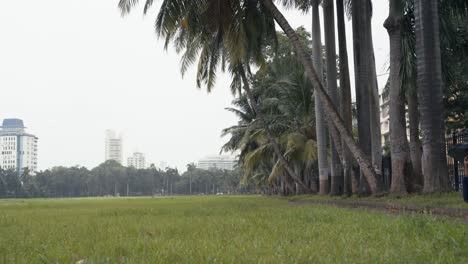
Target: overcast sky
[{"x": 73, "y": 68}]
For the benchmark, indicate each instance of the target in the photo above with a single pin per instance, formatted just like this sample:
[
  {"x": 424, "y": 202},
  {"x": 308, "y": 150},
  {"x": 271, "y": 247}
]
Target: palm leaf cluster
[
  {"x": 283, "y": 94},
  {"x": 227, "y": 34}
]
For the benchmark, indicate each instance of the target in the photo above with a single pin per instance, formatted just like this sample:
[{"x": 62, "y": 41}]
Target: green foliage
[
  {"x": 219, "y": 229},
  {"x": 112, "y": 179},
  {"x": 453, "y": 18},
  {"x": 284, "y": 96},
  {"x": 214, "y": 34}
]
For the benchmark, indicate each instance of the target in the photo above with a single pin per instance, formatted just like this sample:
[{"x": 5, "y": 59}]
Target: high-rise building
[
  {"x": 137, "y": 160},
  {"x": 113, "y": 147},
  {"x": 18, "y": 149},
  {"x": 217, "y": 162}
]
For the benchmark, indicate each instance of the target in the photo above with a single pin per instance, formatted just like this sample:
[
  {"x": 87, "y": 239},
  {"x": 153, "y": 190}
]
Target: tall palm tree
[
  {"x": 366, "y": 84},
  {"x": 178, "y": 17},
  {"x": 401, "y": 162},
  {"x": 453, "y": 14},
  {"x": 408, "y": 81},
  {"x": 345, "y": 93},
  {"x": 220, "y": 32},
  {"x": 374, "y": 180},
  {"x": 430, "y": 96},
  {"x": 320, "y": 119},
  {"x": 329, "y": 22}
]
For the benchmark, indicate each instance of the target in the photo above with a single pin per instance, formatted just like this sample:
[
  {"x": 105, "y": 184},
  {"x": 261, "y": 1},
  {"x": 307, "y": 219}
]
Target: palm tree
[
  {"x": 366, "y": 84},
  {"x": 320, "y": 120},
  {"x": 401, "y": 162},
  {"x": 177, "y": 16},
  {"x": 363, "y": 160},
  {"x": 430, "y": 96},
  {"x": 345, "y": 95},
  {"x": 221, "y": 32},
  {"x": 453, "y": 14},
  {"x": 290, "y": 119},
  {"x": 408, "y": 82},
  {"x": 329, "y": 22}
]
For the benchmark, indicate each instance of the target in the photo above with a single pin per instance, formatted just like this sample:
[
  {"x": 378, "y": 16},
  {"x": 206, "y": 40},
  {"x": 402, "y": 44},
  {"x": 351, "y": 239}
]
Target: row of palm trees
[{"x": 235, "y": 34}]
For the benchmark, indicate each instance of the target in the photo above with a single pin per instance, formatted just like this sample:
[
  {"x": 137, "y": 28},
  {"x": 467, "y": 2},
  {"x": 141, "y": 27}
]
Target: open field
[{"x": 222, "y": 229}]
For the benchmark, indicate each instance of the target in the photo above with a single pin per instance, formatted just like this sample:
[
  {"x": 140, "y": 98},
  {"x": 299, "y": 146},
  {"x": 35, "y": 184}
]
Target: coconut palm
[
  {"x": 222, "y": 33},
  {"x": 178, "y": 17},
  {"x": 289, "y": 119},
  {"x": 363, "y": 160}
]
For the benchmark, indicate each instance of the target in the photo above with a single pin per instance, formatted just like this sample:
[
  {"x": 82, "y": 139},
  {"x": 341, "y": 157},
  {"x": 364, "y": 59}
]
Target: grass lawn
[
  {"x": 443, "y": 200},
  {"x": 221, "y": 229}
]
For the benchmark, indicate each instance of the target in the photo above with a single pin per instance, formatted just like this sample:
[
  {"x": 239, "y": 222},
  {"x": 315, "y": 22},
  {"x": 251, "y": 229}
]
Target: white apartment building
[
  {"x": 217, "y": 162},
  {"x": 113, "y": 147},
  {"x": 385, "y": 118},
  {"x": 137, "y": 161},
  {"x": 18, "y": 149}
]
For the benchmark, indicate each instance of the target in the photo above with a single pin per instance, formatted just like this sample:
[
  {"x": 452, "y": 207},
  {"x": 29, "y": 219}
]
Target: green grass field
[{"x": 222, "y": 229}]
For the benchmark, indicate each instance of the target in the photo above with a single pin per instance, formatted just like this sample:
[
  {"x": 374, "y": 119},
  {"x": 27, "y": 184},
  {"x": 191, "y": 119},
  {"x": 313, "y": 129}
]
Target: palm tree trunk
[
  {"x": 345, "y": 96},
  {"x": 363, "y": 160},
  {"x": 430, "y": 96},
  {"x": 362, "y": 83},
  {"x": 320, "y": 120},
  {"x": 336, "y": 187},
  {"x": 276, "y": 148},
  {"x": 401, "y": 163},
  {"x": 415, "y": 141}
]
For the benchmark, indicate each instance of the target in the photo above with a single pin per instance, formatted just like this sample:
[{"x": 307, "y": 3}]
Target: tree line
[
  {"x": 236, "y": 35},
  {"x": 112, "y": 179}
]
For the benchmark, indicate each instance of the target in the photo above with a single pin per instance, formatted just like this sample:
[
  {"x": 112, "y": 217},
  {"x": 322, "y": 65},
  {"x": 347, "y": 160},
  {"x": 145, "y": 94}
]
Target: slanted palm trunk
[
  {"x": 401, "y": 163},
  {"x": 434, "y": 164},
  {"x": 271, "y": 138},
  {"x": 336, "y": 169},
  {"x": 345, "y": 96},
  {"x": 363, "y": 160},
  {"x": 320, "y": 120}
]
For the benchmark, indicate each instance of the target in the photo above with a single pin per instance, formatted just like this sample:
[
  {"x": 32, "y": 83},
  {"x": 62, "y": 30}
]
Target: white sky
[{"x": 73, "y": 68}]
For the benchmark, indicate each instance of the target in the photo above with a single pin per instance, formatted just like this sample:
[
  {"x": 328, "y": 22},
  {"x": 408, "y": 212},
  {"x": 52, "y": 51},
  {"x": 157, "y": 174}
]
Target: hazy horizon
[{"x": 71, "y": 69}]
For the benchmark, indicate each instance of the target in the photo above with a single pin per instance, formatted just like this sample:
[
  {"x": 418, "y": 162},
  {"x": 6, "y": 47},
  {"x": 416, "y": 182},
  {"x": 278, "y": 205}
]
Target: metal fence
[{"x": 456, "y": 169}]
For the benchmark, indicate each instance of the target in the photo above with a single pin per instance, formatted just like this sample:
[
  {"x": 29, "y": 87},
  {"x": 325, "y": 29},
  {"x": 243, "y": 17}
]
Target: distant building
[
  {"x": 217, "y": 162},
  {"x": 137, "y": 160},
  {"x": 113, "y": 147},
  {"x": 18, "y": 149},
  {"x": 385, "y": 118}
]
